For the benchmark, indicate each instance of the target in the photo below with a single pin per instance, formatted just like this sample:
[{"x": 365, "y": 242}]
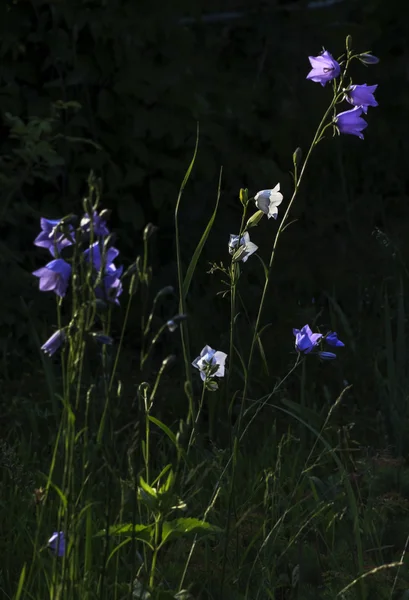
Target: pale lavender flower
[
  {"x": 269, "y": 200},
  {"x": 361, "y": 95},
  {"x": 305, "y": 339},
  {"x": 54, "y": 277},
  {"x": 54, "y": 342},
  {"x": 57, "y": 543},
  {"x": 351, "y": 122},
  {"x": 210, "y": 363},
  {"x": 241, "y": 248},
  {"x": 52, "y": 237},
  {"x": 324, "y": 68}
]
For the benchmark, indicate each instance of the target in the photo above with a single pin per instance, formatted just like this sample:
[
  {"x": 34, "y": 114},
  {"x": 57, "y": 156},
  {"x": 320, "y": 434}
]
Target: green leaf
[
  {"x": 196, "y": 254},
  {"x": 180, "y": 527},
  {"x": 144, "y": 533},
  {"x": 165, "y": 429}
]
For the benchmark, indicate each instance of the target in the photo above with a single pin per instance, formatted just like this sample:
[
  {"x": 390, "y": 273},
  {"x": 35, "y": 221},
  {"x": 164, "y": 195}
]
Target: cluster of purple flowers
[
  {"x": 55, "y": 236},
  {"x": 325, "y": 68},
  {"x": 306, "y": 341}
]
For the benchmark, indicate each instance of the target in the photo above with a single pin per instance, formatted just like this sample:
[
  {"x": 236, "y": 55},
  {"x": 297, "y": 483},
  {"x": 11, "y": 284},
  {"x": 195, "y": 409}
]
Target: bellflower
[
  {"x": 269, "y": 200},
  {"x": 173, "y": 323},
  {"x": 332, "y": 339},
  {"x": 305, "y": 339},
  {"x": 242, "y": 247},
  {"x": 52, "y": 237},
  {"x": 54, "y": 277},
  {"x": 112, "y": 285},
  {"x": 54, "y": 342},
  {"x": 95, "y": 252},
  {"x": 57, "y": 543},
  {"x": 99, "y": 225},
  {"x": 210, "y": 363},
  {"x": 361, "y": 95},
  {"x": 324, "y": 68},
  {"x": 351, "y": 122}
]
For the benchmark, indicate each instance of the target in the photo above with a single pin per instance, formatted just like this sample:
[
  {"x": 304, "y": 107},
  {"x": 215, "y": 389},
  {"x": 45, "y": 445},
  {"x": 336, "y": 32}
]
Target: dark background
[{"x": 134, "y": 78}]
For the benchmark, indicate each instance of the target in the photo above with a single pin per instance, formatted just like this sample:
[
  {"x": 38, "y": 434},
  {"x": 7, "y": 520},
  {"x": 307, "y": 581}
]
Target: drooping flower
[
  {"x": 324, "y": 68},
  {"x": 54, "y": 342},
  {"x": 361, "y": 95},
  {"x": 112, "y": 285},
  {"x": 57, "y": 543},
  {"x": 52, "y": 237},
  {"x": 173, "y": 323},
  {"x": 241, "y": 248},
  {"x": 368, "y": 59},
  {"x": 351, "y": 122},
  {"x": 305, "y": 339},
  {"x": 210, "y": 363},
  {"x": 332, "y": 339},
  {"x": 99, "y": 224},
  {"x": 269, "y": 200},
  {"x": 54, "y": 277}
]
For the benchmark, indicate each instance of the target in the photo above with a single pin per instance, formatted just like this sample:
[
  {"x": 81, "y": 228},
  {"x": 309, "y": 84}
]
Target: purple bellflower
[
  {"x": 99, "y": 224},
  {"x": 324, "y": 68},
  {"x": 210, "y": 363},
  {"x": 112, "y": 285},
  {"x": 57, "y": 543},
  {"x": 54, "y": 277},
  {"x": 332, "y": 339},
  {"x": 53, "y": 343},
  {"x": 305, "y": 339},
  {"x": 95, "y": 253},
  {"x": 351, "y": 122},
  {"x": 327, "y": 355},
  {"x": 52, "y": 237},
  {"x": 361, "y": 95}
]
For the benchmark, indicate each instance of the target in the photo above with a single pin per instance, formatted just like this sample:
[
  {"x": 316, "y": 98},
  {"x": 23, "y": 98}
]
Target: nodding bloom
[
  {"x": 52, "y": 237},
  {"x": 241, "y": 248},
  {"x": 305, "y": 339},
  {"x": 57, "y": 543},
  {"x": 54, "y": 342},
  {"x": 332, "y": 339},
  {"x": 99, "y": 224},
  {"x": 327, "y": 355},
  {"x": 351, "y": 122},
  {"x": 324, "y": 68},
  {"x": 173, "y": 323},
  {"x": 210, "y": 363},
  {"x": 361, "y": 95},
  {"x": 54, "y": 277},
  {"x": 94, "y": 252},
  {"x": 269, "y": 200}
]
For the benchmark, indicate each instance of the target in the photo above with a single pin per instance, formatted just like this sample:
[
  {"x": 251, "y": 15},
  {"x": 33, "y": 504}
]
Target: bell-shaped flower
[
  {"x": 269, "y": 200},
  {"x": 361, "y": 95},
  {"x": 94, "y": 252},
  {"x": 112, "y": 285},
  {"x": 99, "y": 225},
  {"x": 324, "y": 68},
  {"x": 54, "y": 277},
  {"x": 57, "y": 543},
  {"x": 241, "y": 248},
  {"x": 53, "y": 237},
  {"x": 51, "y": 346},
  {"x": 305, "y": 339},
  {"x": 210, "y": 363},
  {"x": 351, "y": 122},
  {"x": 332, "y": 339}
]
